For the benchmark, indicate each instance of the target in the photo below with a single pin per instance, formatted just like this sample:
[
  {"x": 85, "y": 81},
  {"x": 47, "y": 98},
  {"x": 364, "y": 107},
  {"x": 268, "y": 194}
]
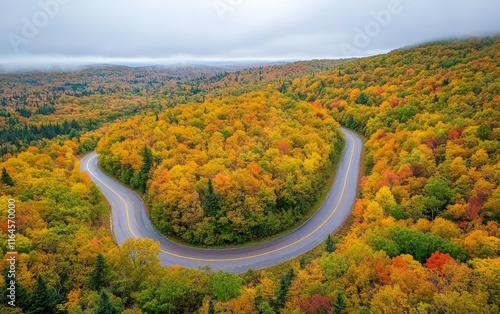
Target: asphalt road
[{"x": 129, "y": 220}]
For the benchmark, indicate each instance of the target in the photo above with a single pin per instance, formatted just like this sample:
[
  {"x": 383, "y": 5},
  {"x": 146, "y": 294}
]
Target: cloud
[{"x": 231, "y": 29}]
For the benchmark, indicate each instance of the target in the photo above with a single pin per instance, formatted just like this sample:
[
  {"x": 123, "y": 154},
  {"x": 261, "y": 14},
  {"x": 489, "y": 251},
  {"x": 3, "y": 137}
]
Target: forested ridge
[
  {"x": 424, "y": 236},
  {"x": 97, "y": 96}
]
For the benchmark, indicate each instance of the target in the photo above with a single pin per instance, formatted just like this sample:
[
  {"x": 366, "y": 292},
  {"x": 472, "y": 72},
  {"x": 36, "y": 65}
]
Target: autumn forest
[{"x": 231, "y": 156}]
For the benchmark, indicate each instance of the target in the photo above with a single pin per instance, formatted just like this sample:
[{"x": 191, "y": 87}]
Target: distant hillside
[{"x": 96, "y": 95}]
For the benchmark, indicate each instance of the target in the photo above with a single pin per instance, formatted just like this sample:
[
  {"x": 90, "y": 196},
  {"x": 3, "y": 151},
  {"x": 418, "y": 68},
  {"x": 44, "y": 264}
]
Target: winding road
[{"x": 129, "y": 220}]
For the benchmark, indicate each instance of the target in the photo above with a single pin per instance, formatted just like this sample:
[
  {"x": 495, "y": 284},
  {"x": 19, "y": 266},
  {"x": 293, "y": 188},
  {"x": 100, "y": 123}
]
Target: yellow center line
[
  {"x": 116, "y": 193},
  {"x": 245, "y": 257}
]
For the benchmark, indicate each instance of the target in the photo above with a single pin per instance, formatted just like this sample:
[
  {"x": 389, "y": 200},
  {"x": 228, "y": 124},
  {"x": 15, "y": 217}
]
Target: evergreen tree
[
  {"x": 6, "y": 178},
  {"x": 24, "y": 112},
  {"x": 104, "y": 304},
  {"x": 42, "y": 299},
  {"x": 46, "y": 110},
  {"x": 303, "y": 262},
  {"x": 285, "y": 282},
  {"x": 283, "y": 88},
  {"x": 330, "y": 244},
  {"x": 16, "y": 133},
  {"x": 99, "y": 278},
  {"x": 74, "y": 125},
  {"x": 147, "y": 162},
  {"x": 339, "y": 304},
  {"x": 211, "y": 307},
  {"x": 210, "y": 203},
  {"x": 362, "y": 99}
]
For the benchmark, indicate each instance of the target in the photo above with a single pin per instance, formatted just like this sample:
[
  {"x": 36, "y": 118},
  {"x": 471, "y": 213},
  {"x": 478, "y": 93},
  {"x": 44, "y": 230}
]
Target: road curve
[{"x": 129, "y": 220}]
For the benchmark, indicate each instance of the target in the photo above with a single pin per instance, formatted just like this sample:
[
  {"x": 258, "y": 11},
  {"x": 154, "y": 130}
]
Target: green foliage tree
[
  {"x": 421, "y": 246},
  {"x": 384, "y": 244},
  {"x": 86, "y": 146},
  {"x": 224, "y": 286},
  {"x": 173, "y": 290},
  {"x": 437, "y": 195},
  {"x": 333, "y": 265},
  {"x": 484, "y": 131},
  {"x": 265, "y": 308},
  {"x": 73, "y": 133}
]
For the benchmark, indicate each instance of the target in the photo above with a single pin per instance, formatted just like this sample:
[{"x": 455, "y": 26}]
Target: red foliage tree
[
  {"x": 473, "y": 208},
  {"x": 438, "y": 260},
  {"x": 383, "y": 273},
  {"x": 317, "y": 304}
]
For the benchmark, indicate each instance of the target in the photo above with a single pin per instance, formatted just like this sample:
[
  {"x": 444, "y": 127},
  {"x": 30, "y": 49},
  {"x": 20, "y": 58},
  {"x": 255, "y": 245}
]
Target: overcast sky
[{"x": 168, "y": 30}]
